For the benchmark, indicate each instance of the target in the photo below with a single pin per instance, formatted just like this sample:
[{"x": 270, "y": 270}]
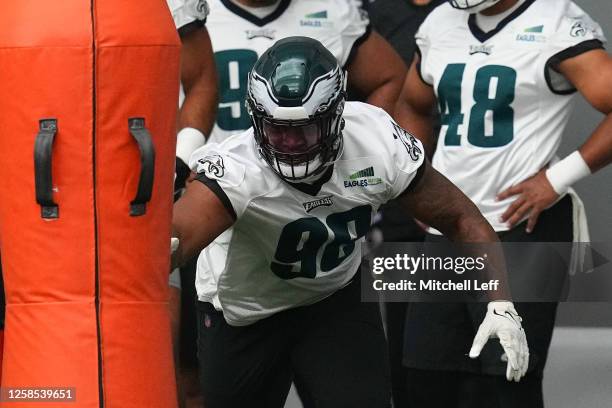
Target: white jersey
[
  {"x": 291, "y": 247},
  {"x": 185, "y": 12},
  {"x": 239, "y": 38},
  {"x": 504, "y": 107}
]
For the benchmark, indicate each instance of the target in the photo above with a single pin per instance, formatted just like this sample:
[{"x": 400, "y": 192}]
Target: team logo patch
[
  {"x": 579, "y": 29},
  {"x": 320, "y": 202},
  {"x": 263, "y": 33},
  {"x": 409, "y": 142},
  {"x": 212, "y": 165},
  {"x": 202, "y": 7},
  {"x": 481, "y": 49},
  {"x": 317, "y": 19},
  {"x": 362, "y": 178}
]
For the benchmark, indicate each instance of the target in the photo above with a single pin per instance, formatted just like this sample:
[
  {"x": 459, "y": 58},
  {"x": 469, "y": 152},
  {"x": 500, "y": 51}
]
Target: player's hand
[
  {"x": 502, "y": 322},
  {"x": 534, "y": 195},
  {"x": 181, "y": 175}
]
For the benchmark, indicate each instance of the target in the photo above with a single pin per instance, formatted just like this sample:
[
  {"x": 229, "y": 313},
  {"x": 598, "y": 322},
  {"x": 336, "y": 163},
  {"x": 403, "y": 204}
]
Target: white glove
[{"x": 502, "y": 322}]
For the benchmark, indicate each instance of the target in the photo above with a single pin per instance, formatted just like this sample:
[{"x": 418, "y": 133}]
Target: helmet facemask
[
  {"x": 300, "y": 150},
  {"x": 473, "y": 6},
  {"x": 295, "y": 99}
]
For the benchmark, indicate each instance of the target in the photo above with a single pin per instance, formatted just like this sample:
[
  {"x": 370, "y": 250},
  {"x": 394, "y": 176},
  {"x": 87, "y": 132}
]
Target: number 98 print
[{"x": 37, "y": 394}]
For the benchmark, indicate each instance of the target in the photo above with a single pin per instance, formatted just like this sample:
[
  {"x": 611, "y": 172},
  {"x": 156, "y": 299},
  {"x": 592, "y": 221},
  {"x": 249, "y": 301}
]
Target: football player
[
  {"x": 503, "y": 74},
  {"x": 241, "y": 30},
  {"x": 198, "y": 104},
  {"x": 280, "y": 212},
  {"x": 398, "y": 21}
]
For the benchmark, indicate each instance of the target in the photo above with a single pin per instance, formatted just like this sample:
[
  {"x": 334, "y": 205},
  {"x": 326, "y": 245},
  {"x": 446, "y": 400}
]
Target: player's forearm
[
  {"x": 597, "y": 150},
  {"x": 200, "y": 105},
  {"x": 473, "y": 228},
  {"x": 595, "y": 154},
  {"x": 386, "y": 94},
  {"x": 458, "y": 218}
]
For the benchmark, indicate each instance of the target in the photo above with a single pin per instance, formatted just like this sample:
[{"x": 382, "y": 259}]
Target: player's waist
[{"x": 241, "y": 308}]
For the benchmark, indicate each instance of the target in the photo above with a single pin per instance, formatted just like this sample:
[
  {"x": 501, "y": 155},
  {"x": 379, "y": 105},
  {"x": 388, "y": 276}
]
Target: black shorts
[
  {"x": 438, "y": 336},
  {"x": 335, "y": 349}
]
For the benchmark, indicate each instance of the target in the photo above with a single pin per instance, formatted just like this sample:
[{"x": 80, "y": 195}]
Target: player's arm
[
  {"x": 439, "y": 203},
  {"x": 591, "y": 74},
  {"x": 199, "y": 217},
  {"x": 199, "y": 80},
  {"x": 377, "y": 72},
  {"x": 436, "y": 201},
  {"x": 414, "y": 109}
]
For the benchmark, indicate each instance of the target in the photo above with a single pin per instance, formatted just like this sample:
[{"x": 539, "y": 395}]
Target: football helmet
[
  {"x": 296, "y": 94},
  {"x": 473, "y": 6}
]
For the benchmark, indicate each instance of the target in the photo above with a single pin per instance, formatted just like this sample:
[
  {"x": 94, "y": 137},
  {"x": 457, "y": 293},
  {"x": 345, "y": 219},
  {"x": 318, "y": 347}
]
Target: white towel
[{"x": 578, "y": 260}]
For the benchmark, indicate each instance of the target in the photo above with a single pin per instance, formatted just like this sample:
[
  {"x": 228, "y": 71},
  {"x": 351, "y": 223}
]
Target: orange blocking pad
[{"x": 88, "y": 96}]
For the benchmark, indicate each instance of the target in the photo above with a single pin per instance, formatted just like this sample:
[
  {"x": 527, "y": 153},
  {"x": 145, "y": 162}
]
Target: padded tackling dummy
[{"x": 88, "y": 96}]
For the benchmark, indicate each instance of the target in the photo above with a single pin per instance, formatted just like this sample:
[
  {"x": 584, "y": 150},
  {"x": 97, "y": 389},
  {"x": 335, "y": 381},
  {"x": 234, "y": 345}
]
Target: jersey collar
[
  {"x": 314, "y": 188},
  {"x": 483, "y": 36},
  {"x": 260, "y": 22}
]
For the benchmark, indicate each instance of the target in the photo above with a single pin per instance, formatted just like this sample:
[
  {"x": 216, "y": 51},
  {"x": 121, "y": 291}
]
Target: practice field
[{"x": 578, "y": 373}]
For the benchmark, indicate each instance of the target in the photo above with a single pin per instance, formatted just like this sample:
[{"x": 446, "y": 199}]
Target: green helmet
[{"x": 295, "y": 99}]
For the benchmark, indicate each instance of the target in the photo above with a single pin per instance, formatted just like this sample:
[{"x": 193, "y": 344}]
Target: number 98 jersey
[
  {"x": 239, "y": 37},
  {"x": 503, "y": 105},
  {"x": 294, "y": 245}
]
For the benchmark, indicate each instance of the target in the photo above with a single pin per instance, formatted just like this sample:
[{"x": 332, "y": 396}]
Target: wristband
[
  {"x": 187, "y": 141},
  {"x": 566, "y": 172}
]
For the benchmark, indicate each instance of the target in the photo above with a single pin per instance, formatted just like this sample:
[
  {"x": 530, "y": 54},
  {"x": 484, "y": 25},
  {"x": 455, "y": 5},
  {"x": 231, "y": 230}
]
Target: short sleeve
[
  {"x": 576, "y": 34},
  {"x": 355, "y": 29},
  {"x": 407, "y": 161},
  {"x": 422, "y": 38},
  {"x": 224, "y": 173},
  {"x": 188, "y": 14}
]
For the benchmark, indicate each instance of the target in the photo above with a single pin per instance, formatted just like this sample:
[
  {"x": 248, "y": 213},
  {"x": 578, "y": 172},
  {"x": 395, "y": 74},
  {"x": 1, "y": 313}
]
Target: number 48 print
[{"x": 497, "y": 101}]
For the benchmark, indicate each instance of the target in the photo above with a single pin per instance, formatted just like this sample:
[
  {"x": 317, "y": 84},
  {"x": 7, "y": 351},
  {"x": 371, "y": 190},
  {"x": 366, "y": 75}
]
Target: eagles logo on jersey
[{"x": 185, "y": 12}]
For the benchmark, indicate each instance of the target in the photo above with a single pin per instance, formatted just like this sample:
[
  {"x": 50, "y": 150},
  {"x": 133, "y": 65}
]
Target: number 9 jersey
[
  {"x": 503, "y": 105},
  {"x": 295, "y": 244},
  {"x": 240, "y": 37}
]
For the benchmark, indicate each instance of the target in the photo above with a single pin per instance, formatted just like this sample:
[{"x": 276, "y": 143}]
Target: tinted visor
[{"x": 294, "y": 139}]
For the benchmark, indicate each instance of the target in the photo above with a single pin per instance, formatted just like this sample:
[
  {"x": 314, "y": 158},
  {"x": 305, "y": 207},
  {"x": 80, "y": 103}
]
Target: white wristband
[
  {"x": 566, "y": 172},
  {"x": 187, "y": 141}
]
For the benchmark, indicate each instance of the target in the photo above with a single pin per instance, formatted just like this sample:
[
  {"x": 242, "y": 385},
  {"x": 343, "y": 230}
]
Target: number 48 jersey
[
  {"x": 503, "y": 105},
  {"x": 294, "y": 245}
]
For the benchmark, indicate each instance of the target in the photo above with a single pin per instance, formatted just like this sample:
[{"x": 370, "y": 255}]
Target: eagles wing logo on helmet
[
  {"x": 212, "y": 165},
  {"x": 323, "y": 91}
]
